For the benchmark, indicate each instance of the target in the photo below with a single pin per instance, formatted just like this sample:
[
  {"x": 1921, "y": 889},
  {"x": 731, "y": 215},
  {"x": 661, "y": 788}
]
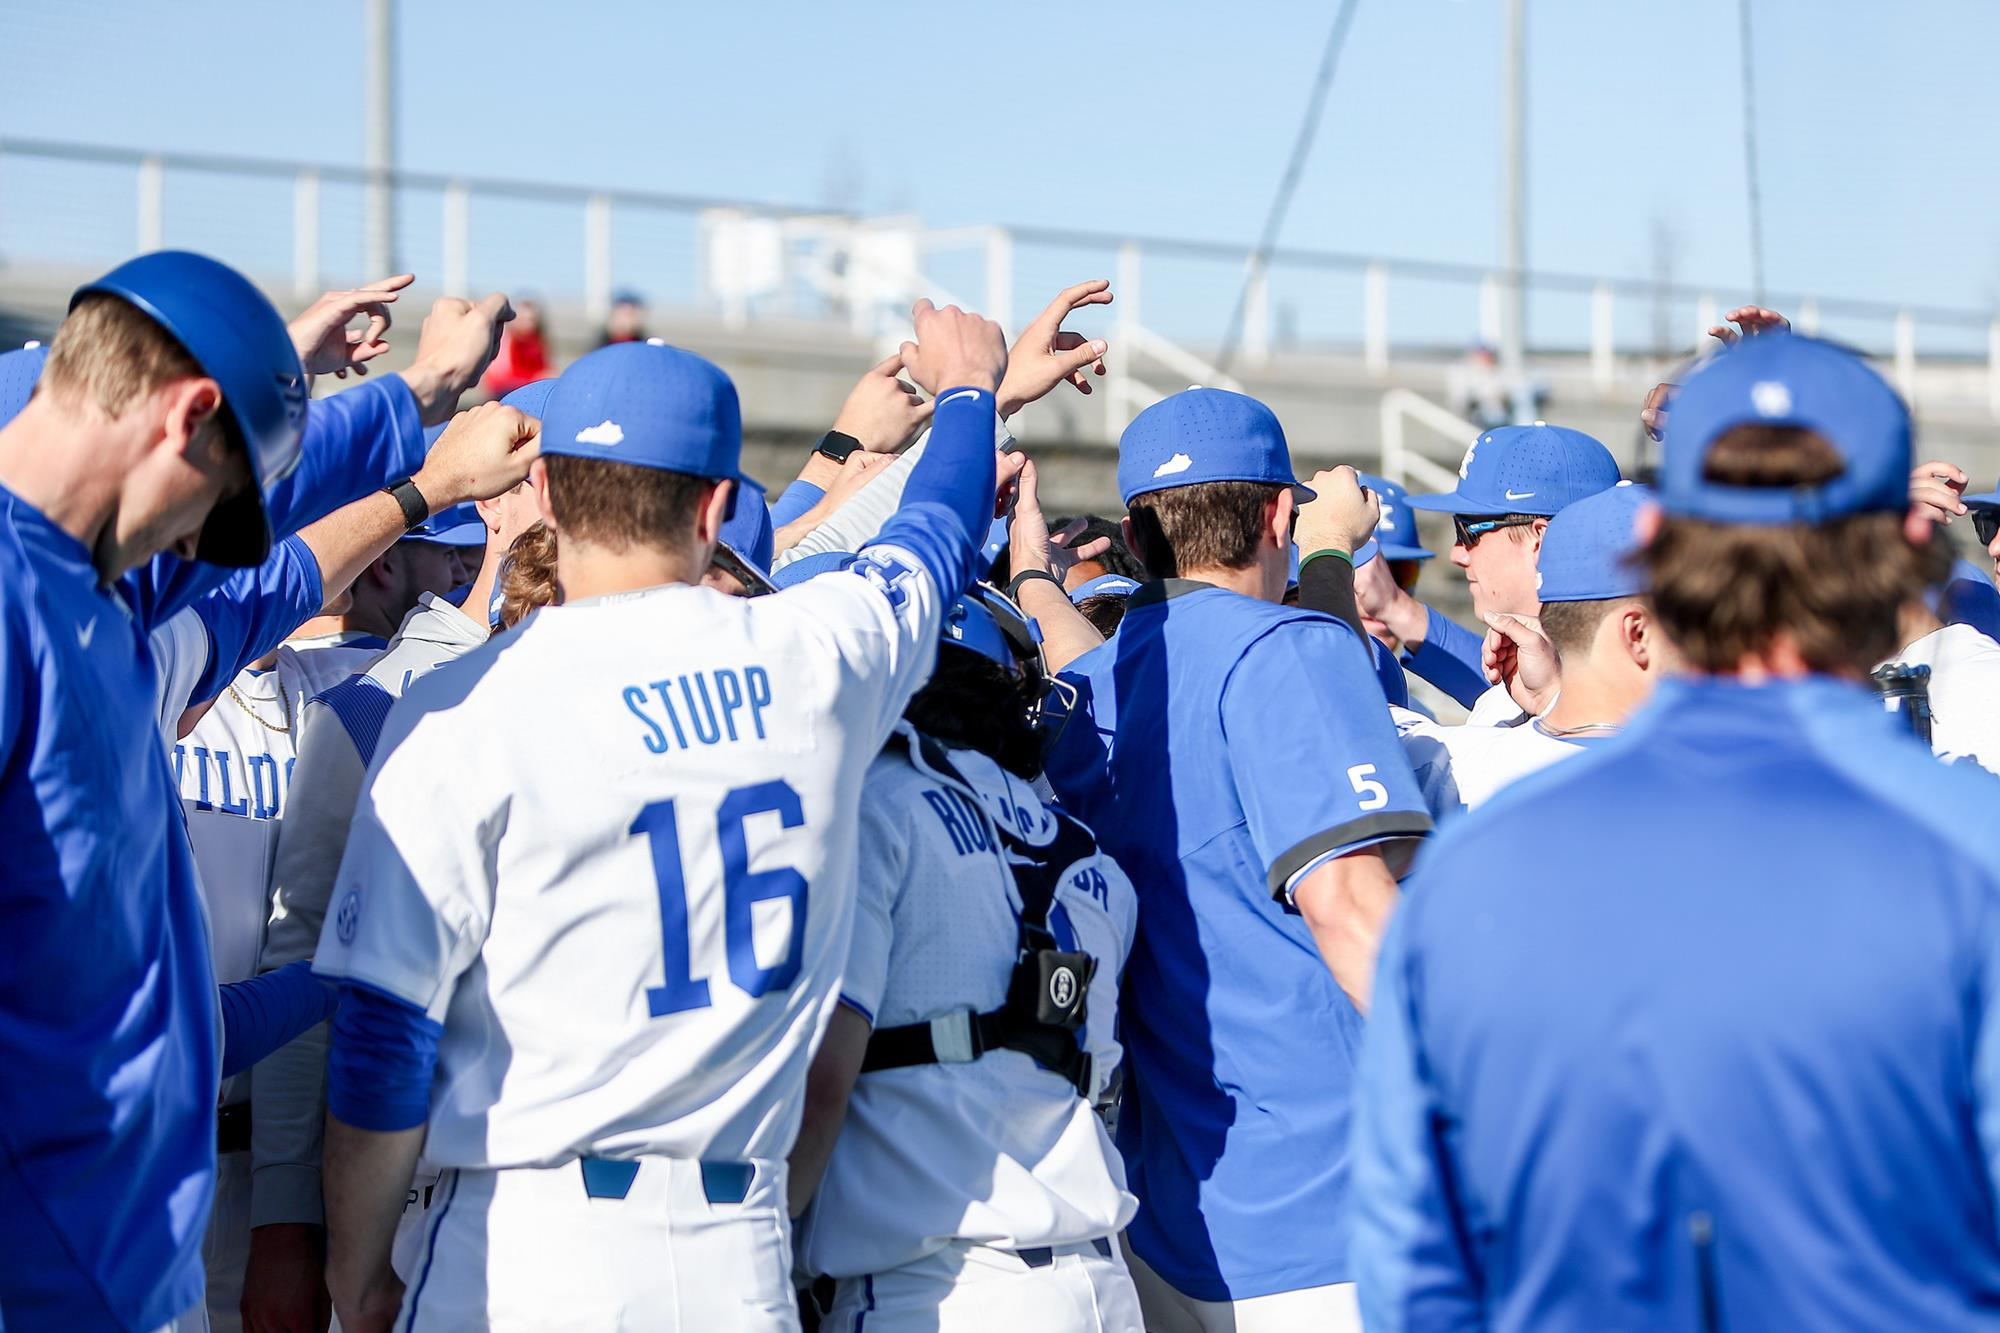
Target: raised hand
[
  {"x": 955, "y": 349},
  {"x": 1752, "y": 319},
  {"x": 484, "y": 452},
  {"x": 1935, "y": 488},
  {"x": 1342, "y": 518},
  {"x": 882, "y": 410},
  {"x": 458, "y": 341},
  {"x": 325, "y": 344},
  {"x": 1030, "y": 544},
  {"x": 1046, "y": 354}
]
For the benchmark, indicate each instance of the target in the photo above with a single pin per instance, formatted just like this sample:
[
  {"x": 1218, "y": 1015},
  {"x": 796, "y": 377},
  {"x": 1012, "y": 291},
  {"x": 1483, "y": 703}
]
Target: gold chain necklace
[{"x": 284, "y": 710}]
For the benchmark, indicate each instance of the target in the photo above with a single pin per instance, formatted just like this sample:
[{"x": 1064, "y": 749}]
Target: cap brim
[
  {"x": 1451, "y": 502},
  {"x": 1990, "y": 499},
  {"x": 235, "y": 535},
  {"x": 1304, "y": 494},
  {"x": 1397, "y": 551},
  {"x": 461, "y": 534}
]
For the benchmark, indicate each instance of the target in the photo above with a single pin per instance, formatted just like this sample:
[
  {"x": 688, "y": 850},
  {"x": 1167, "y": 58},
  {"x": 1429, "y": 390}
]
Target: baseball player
[
  {"x": 1225, "y": 749},
  {"x": 968, "y": 1183},
  {"x": 585, "y": 974},
  {"x": 1688, "y": 1074},
  {"x": 335, "y": 732},
  {"x": 169, "y": 412},
  {"x": 1512, "y": 481},
  {"x": 1602, "y": 645}
]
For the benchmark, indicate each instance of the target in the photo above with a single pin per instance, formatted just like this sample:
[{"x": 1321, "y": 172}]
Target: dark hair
[
  {"x": 621, "y": 505},
  {"x": 1723, "y": 591},
  {"x": 973, "y": 701},
  {"x": 1572, "y": 625},
  {"x": 1117, "y": 558},
  {"x": 1104, "y": 610},
  {"x": 1213, "y": 525}
]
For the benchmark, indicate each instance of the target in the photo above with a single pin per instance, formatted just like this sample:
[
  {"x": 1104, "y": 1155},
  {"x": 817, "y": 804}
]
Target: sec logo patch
[
  {"x": 348, "y": 918},
  {"x": 1062, "y": 987}
]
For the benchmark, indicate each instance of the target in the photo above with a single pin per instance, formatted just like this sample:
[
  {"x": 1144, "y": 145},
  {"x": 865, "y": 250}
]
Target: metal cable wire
[
  {"x": 1288, "y": 183},
  {"x": 1753, "y": 191}
]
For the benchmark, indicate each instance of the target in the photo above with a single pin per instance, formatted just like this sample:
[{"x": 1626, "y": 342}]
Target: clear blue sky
[{"x": 1876, "y": 121}]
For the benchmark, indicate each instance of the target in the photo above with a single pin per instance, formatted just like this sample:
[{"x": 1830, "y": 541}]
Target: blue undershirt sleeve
[
  {"x": 384, "y": 1051},
  {"x": 799, "y": 497},
  {"x": 1449, "y": 659},
  {"x": 263, "y": 1013},
  {"x": 255, "y": 610},
  {"x": 948, "y": 501}
]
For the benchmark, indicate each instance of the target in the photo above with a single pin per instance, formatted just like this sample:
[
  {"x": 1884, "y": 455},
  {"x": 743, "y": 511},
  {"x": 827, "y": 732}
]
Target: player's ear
[
  {"x": 1633, "y": 634},
  {"x": 1535, "y": 530},
  {"x": 1278, "y": 515},
  {"x": 190, "y": 403},
  {"x": 714, "y": 510}
]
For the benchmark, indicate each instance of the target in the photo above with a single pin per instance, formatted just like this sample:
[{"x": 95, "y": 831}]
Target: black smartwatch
[
  {"x": 415, "y": 508},
  {"x": 836, "y": 445}
]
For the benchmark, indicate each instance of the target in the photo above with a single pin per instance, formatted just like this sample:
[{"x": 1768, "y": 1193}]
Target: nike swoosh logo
[
  {"x": 85, "y": 633},
  {"x": 1519, "y": 495},
  {"x": 956, "y": 395}
]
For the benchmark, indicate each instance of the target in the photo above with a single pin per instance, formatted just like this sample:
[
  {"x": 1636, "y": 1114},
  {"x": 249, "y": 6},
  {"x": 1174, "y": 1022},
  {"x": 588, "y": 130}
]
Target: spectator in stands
[
  {"x": 627, "y": 321},
  {"x": 524, "y": 353}
]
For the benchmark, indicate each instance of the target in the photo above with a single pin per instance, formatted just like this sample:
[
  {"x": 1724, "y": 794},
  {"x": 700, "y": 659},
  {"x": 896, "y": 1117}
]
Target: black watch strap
[
  {"x": 1029, "y": 576},
  {"x": 836, "y": 445},
  {"x": 415, "y": 508}
]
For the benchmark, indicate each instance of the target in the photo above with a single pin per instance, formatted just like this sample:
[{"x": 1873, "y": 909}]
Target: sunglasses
[
  {"x": 1468, "y": 532},
  {"x": 1985, "y": 523}
]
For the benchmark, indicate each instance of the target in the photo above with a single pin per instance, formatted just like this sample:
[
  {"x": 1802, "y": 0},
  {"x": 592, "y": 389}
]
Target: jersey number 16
[{"x": 741, "y": 891}]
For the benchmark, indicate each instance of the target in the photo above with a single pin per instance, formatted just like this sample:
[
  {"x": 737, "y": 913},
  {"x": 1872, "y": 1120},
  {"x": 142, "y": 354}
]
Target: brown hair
[
  {"x": 620, "y": 505},
  {"x": 528, "y": 578},
  {"x": 1212, "y": 525},
  {"x": 1104, "y": 610},
  {"x": 1724, "y": 591},
  {"x": 109, "y": 354},
  {"x": 1572, "y": 625}
]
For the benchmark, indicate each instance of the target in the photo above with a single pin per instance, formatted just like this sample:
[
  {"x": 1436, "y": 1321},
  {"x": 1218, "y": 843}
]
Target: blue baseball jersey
[
  {"x": 108, "y": 1015},
  {"x": 1724, "y": 1038},
  {"x": 1222, "y": 746}
]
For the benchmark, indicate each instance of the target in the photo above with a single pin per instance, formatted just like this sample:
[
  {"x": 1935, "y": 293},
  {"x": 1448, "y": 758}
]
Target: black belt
[{"x": 232, "y": 1128}]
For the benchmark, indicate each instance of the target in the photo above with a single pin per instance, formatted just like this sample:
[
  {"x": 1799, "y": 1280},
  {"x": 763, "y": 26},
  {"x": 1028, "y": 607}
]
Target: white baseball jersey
[
  {"x": 1493, "y": 708},
  {"x": 1460, "y": 768},
  {"x": 1965, "y": 693},
  {"x": 612, "y": 853},
  {"x": 235, "y": 772},
  {"x": 997, "y": 1151}
]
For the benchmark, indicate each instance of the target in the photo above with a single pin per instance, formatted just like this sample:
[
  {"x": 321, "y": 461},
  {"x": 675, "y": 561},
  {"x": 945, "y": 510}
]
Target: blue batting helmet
[{"x": 239, "y": 340}]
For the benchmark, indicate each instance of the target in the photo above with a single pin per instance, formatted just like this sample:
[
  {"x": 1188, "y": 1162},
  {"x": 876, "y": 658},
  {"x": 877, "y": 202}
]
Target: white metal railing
[
  {"x": 89, "y": 205},
  {"x": 1412, "y": 467}
]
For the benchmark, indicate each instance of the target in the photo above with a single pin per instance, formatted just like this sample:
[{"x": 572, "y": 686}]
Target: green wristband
[{"x": 1348, "y": 556}]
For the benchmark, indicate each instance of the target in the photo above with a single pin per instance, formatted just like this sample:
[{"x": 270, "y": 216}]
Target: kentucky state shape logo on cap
[{"x": 606, "y": 432}]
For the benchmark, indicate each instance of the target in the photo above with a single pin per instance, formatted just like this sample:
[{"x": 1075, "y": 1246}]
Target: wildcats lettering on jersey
[
  {"x": 250, "y": 785},
  {"x": 708, "y": 716}
]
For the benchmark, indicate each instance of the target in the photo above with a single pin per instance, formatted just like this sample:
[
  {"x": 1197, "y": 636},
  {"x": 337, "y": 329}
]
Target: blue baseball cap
[
  {"x": 1396, "y": 534},
  {"x": 1534, "y": 469},
  {"x": 648, "y": 405},
  {"x": 1584, "y": 552},
  {"x": 459, "y": 525},
  {"x": 19, "y": 371},
  {"x": 1788, "y": 379},
  {"x": 1203, "y": 435},
  {"x": 811, "y": 567},
  {"x": 1104, "y": 585},
  {"x": 533, "y": 397},
  {"x": 747, "y": 530}
]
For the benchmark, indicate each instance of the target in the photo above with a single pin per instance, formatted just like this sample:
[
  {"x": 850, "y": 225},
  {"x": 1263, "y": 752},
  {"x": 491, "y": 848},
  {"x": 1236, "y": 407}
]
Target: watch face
[{"x": 838, "y": 448}]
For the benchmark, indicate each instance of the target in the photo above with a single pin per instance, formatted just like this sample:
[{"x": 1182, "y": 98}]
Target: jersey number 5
[{"x": 741, "y": 891}]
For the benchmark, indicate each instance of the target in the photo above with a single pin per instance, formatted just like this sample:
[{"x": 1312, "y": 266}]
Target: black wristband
[
  {"x": 415, "y": 508},
  {"x": 836, "y": 445},
  {"x": 1029, "y": 576}
]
